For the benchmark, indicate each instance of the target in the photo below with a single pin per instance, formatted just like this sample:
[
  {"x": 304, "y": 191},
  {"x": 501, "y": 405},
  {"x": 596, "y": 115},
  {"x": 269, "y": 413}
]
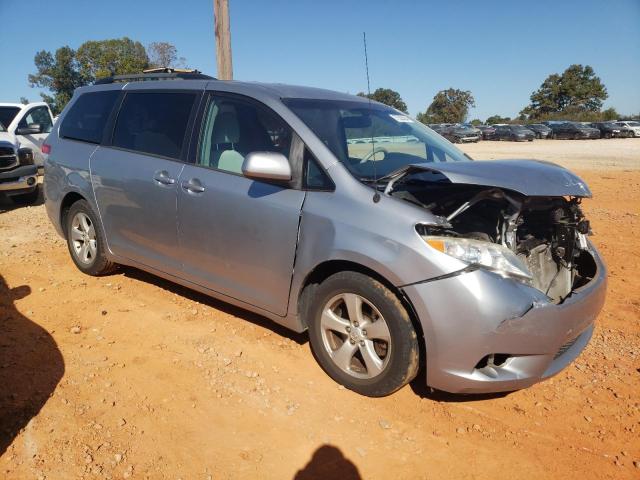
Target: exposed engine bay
[{"x": 548, "y": 234}]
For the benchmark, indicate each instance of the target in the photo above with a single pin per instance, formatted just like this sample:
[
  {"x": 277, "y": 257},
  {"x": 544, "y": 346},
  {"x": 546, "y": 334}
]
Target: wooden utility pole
[{"x": 223, "y": 39}]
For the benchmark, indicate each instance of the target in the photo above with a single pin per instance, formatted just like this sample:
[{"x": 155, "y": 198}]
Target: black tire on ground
[
  {"x": 98, "y": 264},
  {"x": 607, "y": 134},
  {"x": 576, "y": 136},
  {"x": 26, "y": 198},
  {"x": 403, "y": 362}
]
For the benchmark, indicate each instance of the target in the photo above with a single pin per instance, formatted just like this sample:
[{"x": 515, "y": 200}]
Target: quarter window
[
  {"x": 232, "y": 128},
  {"x": 88, "y": 115},
  {"x": 154, "y": 123}
]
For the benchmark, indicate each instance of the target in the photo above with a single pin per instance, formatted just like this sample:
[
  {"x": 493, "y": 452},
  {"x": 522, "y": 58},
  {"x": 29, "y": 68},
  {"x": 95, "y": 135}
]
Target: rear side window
[
  {"x": 87, "y": 117},
  {"x": 154, "y": 123}
]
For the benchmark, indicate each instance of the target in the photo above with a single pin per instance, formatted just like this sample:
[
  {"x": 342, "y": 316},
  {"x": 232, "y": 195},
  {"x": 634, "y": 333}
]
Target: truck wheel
[
  {"x": 85, "y": 240},
  {"x": 361, "y": 335}
]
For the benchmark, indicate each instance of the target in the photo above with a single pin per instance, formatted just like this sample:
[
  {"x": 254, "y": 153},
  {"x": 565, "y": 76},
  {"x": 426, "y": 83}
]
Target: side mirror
[
  {"x": 29, "y": 130},
  {"x": 266, "y": 166}
]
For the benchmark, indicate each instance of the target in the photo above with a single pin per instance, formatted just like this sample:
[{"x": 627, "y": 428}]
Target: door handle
[
  {"x": 194, "y": 186},
  {"x": 162, "y": 177}
]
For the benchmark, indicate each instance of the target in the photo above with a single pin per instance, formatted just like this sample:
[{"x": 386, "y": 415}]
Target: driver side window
[
  {"x": 37, "y": 116},
  {"x": 232, "y": 128}
]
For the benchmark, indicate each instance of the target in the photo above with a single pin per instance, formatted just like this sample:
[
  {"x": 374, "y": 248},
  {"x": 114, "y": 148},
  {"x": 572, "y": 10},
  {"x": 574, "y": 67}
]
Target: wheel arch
[{"x": 68, "y": 200}]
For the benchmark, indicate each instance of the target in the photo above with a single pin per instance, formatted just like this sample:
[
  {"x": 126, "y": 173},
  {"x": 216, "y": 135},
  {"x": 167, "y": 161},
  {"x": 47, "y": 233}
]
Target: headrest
[{"x": 225, "y": 128}]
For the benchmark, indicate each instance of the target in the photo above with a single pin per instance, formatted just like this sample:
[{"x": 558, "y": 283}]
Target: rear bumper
[
  {"x": 467, "y": 317},
  {"x": 19, "y": 180}
]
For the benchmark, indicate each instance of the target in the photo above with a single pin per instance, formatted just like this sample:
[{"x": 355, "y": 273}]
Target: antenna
[{"x": 376, "y": 195}]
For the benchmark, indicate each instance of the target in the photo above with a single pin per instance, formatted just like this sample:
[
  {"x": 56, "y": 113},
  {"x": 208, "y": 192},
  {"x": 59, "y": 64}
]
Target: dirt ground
[{"x": 129, "y": 376}]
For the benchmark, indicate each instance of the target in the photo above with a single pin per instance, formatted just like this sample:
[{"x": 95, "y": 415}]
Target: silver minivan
[{"x": 331, "y": 213}]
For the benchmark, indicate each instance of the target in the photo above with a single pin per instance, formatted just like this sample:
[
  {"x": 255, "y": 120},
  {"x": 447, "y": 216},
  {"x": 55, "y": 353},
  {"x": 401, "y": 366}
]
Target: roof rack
[{"x": 162, "y": 73}]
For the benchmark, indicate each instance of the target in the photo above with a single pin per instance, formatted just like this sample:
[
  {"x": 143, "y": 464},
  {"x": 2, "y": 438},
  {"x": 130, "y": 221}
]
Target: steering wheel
[{"x": 371, "y": 154}]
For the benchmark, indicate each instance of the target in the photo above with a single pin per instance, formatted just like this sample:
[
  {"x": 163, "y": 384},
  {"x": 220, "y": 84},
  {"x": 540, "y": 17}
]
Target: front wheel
[
  {"x": 85, "y": 240},
  {"x": 361, "y": 335}
]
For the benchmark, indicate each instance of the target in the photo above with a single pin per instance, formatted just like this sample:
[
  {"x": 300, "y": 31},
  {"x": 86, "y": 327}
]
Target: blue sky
[{"x": 500, "y": 50}]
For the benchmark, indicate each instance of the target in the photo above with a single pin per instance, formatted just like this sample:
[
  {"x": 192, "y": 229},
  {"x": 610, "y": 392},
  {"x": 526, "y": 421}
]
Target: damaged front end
[{"x": 531, "y": 229}]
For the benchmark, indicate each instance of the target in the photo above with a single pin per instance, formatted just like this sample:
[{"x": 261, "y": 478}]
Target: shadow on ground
[
  {"x": 420, "y": 388},
  {"x": 259, "y": 320},
  {"x": 31, "y": 365},
  {"x": 328, "y": 462},
  {"x": 7, "y": 204}
]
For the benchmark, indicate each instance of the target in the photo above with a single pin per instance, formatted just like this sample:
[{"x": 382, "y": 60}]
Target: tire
[
  {"x": 86, "y": 240},
  {"x": 374, "y": 363},
  {"x": 607, "y": 134},
  {"x": 576, "y": 136},
  {"x": 27, "y": 198}
]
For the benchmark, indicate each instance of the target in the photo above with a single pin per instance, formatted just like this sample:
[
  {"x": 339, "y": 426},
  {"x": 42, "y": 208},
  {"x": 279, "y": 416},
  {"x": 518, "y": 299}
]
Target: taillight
[{"x": 46, "y": 149}]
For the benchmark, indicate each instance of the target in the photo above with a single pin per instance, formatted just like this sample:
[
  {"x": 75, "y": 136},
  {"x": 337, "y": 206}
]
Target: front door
[
  {"x": 40, "y": 117},
  {"x": 135, "y": 179},
  {"x": 238, "y": 236}
]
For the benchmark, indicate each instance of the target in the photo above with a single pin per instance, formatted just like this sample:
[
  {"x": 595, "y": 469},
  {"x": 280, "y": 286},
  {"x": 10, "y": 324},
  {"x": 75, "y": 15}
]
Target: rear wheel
[
  {"x": 85, "y": 240},
  {"x": 362, "y": 336}
]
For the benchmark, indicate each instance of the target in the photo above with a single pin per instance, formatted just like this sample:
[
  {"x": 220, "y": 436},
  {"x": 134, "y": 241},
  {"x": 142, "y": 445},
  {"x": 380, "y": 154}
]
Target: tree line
[
  {"x": 576, "y": 94},
  {"x": 67, "y": 69}
]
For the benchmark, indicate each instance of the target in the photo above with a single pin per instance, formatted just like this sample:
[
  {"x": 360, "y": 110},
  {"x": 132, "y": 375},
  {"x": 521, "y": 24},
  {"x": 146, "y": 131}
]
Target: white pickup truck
[
  {"x": 23, "y": 129},
  {"x": 26, "y": 126}
]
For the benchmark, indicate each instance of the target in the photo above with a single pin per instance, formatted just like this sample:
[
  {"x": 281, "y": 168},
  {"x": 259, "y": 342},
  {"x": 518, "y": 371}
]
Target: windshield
[
  {"x": 633, "y": 124},
  {"x": 518, "y": 127},
  {"x": 7, "y": 114},
  {"x": 372, "y": 140}
]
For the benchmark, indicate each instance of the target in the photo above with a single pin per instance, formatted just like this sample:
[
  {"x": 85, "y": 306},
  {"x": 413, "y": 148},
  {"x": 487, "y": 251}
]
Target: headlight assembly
[{"x": 487, "y": 255}]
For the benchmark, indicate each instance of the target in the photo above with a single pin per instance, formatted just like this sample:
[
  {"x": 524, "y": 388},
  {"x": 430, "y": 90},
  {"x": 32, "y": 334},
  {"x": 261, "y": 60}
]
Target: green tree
[
  {"x": 61, "y": 73},
  {"x": 105, "y": 58},
  {"x": 476, "y": 121},
  {"x": 575, "y": 91},
  {"x": 163, "y": 54},
  {"x": 388, "y": 97},
  {"x": 57, "y": 73},
  {"x": 448, "y": 106},
  {"x": 24, "y": 100},
  {"x": 493, "y": 119}
]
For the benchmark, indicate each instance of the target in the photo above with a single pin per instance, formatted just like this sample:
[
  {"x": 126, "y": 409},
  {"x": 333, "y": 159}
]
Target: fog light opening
[
  {"x": 31, "y": 181},
  {"x": 493, "y": 360}
]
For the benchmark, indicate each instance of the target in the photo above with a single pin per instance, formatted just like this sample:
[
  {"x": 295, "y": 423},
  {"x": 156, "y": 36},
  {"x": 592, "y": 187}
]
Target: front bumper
[
  {"x": 467, "y": 317},
  {"x": 19, "y": 180}
]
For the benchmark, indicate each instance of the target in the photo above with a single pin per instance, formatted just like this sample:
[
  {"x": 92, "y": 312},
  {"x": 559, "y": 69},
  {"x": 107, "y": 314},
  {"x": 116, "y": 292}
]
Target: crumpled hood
[
  {"x": 534, "y": 178},
  {"x": 8, "y": 138}
]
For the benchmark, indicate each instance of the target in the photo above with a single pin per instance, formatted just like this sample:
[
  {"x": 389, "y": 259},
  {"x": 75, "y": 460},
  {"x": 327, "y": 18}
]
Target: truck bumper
[{"x": 19, "y": 180}]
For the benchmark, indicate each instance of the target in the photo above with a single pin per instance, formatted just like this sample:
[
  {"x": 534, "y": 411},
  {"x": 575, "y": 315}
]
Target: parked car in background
[
  {"x": 488, "y": 131},
  {"x": 612, "y": 130},
  {"x": 573, "y": 131},
  {"x": 28, "y": 126},
  {"x": 18, "y": 173},
  {"x": 461, "y": 134},
  {"x": 438, "y": 127},
  {"x": 515, "y": 133},
  {"x": 633, "y": 125},
  {"x": 540, "y": 130}
]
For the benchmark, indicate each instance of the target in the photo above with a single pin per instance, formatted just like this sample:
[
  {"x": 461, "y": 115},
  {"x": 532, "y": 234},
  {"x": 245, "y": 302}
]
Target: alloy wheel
[
  {"x": 83, "y": 238},
  {"x": 355, "y": 335}
]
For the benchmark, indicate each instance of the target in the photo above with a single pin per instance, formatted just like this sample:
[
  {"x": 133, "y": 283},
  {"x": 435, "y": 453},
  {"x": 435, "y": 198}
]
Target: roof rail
[{"x": 163, "y": 73}]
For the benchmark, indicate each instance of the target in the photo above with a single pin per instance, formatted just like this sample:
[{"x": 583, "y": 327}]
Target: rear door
[
  {"x": 238, "y": 236},
  {"x": 135, "y": 177}
]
